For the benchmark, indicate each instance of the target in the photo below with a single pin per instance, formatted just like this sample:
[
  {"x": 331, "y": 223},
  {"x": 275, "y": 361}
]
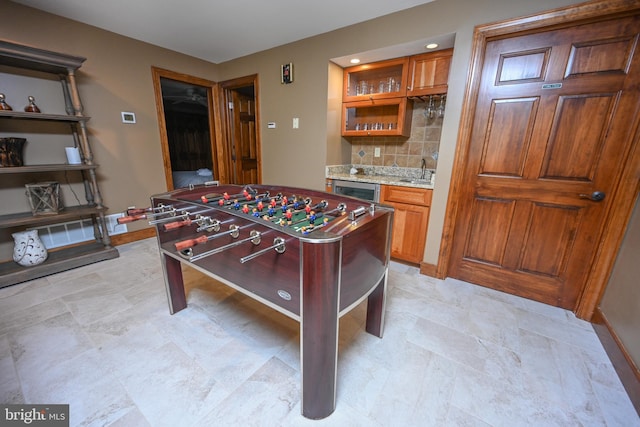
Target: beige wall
[
  {"x": 117, "y": 78},
  {"x": 620, "y": 301},
  {"x": 306, "y": 98}
]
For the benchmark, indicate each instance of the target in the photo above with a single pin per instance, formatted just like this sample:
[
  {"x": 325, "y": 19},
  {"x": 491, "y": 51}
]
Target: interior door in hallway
[
  {"x": 245, "y": 155},
  {"x": 552, "y": 129}
]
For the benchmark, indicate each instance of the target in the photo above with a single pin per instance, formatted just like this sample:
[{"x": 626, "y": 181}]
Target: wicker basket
[{"x": 44, "y": 197}]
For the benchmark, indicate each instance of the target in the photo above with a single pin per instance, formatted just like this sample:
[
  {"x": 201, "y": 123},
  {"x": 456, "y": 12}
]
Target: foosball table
[{"x": 310, "y": 255}]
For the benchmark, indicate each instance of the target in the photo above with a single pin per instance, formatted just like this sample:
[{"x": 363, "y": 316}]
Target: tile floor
[{"x": 101, "y": 339}]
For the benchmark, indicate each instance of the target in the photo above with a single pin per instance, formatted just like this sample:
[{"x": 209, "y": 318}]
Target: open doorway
[
  {"x": 186, "y": 119},
  {"x": 240, "y": 129}
]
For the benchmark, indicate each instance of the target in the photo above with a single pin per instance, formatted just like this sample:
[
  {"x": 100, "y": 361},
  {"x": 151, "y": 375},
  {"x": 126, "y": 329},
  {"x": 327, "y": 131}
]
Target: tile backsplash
[{"x": 424, "y": 142}]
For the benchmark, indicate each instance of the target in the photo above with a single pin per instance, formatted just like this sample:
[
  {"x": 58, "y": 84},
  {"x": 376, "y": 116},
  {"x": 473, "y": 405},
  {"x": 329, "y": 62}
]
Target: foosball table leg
[
  {"x": 319, "y": 327},
  {"x": 174, "y": 283},
  {"x": 376, "y": 307}
]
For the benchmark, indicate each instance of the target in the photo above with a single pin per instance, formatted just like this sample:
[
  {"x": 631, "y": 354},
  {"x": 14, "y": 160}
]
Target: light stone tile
[
  {"x": 417, "y": 394},
  {"x": 447, "y": 342},
  {"x": 132, "y": 418},
  {"x": 499, "y": 404},
  {"x": 13, "y": 322},
  {"x": 40, "y": 347},
  {"x": 360, "y": 381},
  {"x": 94, "y": 303},
  {"x": 94, "y": 395},
  {"x": 167, "y": 386},
  {"x": 459, "y": 418},
  {"x": 557, "y": 371},
  {"x": 616, "y": 407},
  {"x": 274, "y": 393},
  {"x": 10, "y": 291},
  {"x": 10, "y": 391},
  {"x": 448, "y": 357},
  {"x": 493, "y": 320},
  {"x": 569, "y": 333},
  {"x": 234, "y": 363},
  {"x": 344, "y": 415}
]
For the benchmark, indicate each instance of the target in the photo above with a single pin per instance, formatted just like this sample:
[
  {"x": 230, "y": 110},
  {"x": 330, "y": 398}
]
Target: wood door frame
[
  {"x": 624, "y": 195},
  {"x": 214, "y": 120},
  {"x": 225, "y": 141}
]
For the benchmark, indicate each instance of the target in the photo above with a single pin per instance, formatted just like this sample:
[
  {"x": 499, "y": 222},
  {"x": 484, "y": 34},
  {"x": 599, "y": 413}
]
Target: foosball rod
[
  {"x": 213, "y": 197},
  {"x": 278, "y": 245},
  {"x": 234, "y": 231},
  {"x": 254, "y": 237}
]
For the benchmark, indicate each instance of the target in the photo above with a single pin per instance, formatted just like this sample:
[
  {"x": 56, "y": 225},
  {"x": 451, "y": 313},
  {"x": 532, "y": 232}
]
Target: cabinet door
[
  {"x": 377, "y": 117},
  {"x": 410, "y": 220},
  {"x": 429, "y": 73},
  {"x": 383, "y": 79},
  {"x": 409, "y": 235}
]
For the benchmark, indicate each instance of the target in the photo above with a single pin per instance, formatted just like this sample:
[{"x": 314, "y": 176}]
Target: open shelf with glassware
[
  {"x": 37, "y": 63},
  {"x": 377, "y": 117}
]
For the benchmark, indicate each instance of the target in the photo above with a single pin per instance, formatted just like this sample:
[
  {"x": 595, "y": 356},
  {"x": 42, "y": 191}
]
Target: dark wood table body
[{"x": 319, "y": 277}]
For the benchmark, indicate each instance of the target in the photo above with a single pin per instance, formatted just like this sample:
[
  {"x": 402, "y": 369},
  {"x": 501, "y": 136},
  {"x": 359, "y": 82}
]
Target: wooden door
[
  {"x": 244, "y": 141},
  {"x": 551, "y": 132}
]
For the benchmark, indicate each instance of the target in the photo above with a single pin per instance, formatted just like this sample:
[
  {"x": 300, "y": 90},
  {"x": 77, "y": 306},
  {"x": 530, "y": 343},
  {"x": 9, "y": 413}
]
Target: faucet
[{"x": 424, "y": 168}]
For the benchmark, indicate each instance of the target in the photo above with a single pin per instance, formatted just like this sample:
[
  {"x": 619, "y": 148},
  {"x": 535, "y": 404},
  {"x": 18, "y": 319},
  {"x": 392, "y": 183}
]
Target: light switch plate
[{"x": 128, "y": 117}]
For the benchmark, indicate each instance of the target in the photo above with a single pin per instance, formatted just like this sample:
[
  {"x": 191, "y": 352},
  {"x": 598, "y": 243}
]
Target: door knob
[{"x": 596, "y": 196}]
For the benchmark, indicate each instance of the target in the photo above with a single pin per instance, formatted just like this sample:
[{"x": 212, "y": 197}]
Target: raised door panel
[{"x": 429, "y": 73}]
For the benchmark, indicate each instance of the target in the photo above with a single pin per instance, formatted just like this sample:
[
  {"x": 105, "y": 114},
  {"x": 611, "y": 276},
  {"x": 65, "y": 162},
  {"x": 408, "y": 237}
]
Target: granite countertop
[{"x": 406, "y": 177}]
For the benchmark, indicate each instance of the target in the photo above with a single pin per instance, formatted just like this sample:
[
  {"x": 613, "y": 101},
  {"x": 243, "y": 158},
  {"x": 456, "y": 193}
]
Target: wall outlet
[
  {"x": 296, "y": 122},
  {"x": 376, "y": 152}
]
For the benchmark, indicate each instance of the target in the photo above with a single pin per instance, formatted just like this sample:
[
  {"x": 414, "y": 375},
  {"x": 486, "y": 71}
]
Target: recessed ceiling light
[
  {"x": 355, "y": 61},
  {"x": 431, "y": 45}
]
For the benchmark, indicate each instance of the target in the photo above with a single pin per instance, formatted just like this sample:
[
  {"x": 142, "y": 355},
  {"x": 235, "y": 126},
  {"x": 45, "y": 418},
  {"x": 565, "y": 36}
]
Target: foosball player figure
[
  {"x": 260, "y": 206},
  {"x": 221, "y": 202},
  {"x": 245, "y": 209},
  {"x": 289, "y": 216},
  {"x": 296, "y": 203},
  {"x": 236, "y": 204},
  {"x": 271, "y": 212},
  {"x": 325, "y": 221},
  {"x": 255, "y": 213},
  {"x": 273, "y": 203},
  {"x": 312, "y": 217},
  {"x": 226, "y": 196},
  {"x": 307, "y": 209}
]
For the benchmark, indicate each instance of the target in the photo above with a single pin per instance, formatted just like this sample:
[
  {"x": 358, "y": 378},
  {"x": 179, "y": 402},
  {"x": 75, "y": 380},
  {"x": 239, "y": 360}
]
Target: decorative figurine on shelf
[
  {"x": 32, "y": 107},
  {"x": 3, "y": 104}
]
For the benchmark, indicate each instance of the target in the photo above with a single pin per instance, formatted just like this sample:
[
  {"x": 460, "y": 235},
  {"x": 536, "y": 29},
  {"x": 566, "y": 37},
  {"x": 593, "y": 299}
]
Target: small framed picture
[
  {"x": 128, "y": 117},
  {"x": 286, "y": 74}
]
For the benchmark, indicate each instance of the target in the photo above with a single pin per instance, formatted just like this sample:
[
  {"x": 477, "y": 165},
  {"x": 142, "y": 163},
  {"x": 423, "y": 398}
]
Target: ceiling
[{"x": 219, "y": 31}]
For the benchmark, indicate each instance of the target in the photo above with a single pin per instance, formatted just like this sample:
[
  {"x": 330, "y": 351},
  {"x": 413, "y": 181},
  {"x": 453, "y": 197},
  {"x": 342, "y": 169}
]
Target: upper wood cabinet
[
  {"x": 429, "y": 73},
  {"x": 384, "y": 79}
]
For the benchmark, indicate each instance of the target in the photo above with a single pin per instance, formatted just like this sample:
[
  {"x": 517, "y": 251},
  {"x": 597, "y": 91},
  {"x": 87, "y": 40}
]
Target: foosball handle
[
  {"x": 130, "y": 218},
  {"x": 176, "y": 224},
  {"x": 138, "y": 211},
  {"x": 189, "y": 243}
]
